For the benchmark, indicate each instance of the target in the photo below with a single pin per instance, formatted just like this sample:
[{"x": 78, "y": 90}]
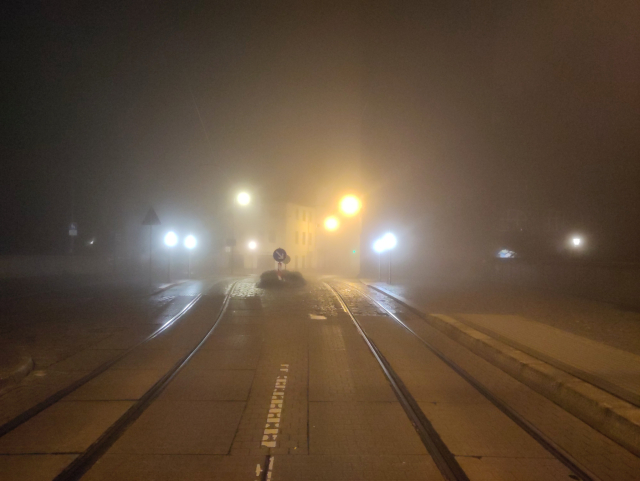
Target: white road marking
[
  {"x": 270, "y": 468},
  {"x": 316, "y": 317},
  {"x": 272, "y": 427}
]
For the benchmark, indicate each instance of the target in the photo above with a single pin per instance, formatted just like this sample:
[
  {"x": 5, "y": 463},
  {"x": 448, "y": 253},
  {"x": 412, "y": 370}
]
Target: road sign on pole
[
  {"x": 279, "y": 254},
  {"x": 73, "y": 229},
  {"x": 151, "y": 218}
]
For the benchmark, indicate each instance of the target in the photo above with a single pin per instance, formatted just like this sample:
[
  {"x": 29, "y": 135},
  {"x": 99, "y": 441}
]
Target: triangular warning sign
[{"x": 151, "y": 218}]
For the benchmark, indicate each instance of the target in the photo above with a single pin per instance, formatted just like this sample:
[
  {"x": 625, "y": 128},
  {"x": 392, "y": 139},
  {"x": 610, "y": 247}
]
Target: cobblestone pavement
[
  {"x": 598, "y": 321},
  {"x": 285, "y": 388}
]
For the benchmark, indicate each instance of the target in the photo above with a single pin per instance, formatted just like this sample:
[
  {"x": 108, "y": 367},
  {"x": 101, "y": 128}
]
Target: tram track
[
  {"x": 441, "y": 455},
  {"x": 76, "y": 469},
  {"x": 52, "y": 399}
]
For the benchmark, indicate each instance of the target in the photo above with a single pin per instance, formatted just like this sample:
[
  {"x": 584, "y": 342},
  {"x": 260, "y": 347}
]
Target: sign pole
[
  {"x": 280, "y": 256},
  {"x": 389, "y": 266},
  {"x": 151, "y": 219},
  {"x": 150, "y": 255}
]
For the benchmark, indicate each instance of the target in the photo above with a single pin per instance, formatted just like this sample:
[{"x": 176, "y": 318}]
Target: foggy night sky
[{"x": 448, "y": 112}]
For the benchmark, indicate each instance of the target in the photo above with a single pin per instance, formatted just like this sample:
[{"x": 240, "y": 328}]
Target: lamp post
[
  {"x": 243, "y": 199},
  {"x": 386, "y": 243},
  {"x": 378, "y": 246},
  {"x": 190, "y": 243},
  {"x": 170, "y": 240},
  {"x": 390, "y": 243}
]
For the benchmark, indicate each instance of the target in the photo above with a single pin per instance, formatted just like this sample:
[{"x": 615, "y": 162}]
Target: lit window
[
  {"x": 304, "y": 215},
  {"x": 297, "y": 213},
  {"x": 303, "y": 264},
  {"x": 310, "y": 242},
  {"x": 297, "y": 237},
  {"x": 310, "y": 216},
  {"x": 304, "y": 238}
]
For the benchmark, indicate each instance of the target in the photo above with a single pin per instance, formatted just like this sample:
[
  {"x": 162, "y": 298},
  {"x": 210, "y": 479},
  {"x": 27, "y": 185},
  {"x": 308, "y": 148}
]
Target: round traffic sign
[
  {"x": 286, "y": 260},
  {"x": 279, "y": 254}
]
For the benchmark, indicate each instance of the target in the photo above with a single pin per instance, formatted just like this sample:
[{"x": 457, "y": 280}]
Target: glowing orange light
[
  {"x": 331, "y": 223},
  {"x": 350, "y": 205}
]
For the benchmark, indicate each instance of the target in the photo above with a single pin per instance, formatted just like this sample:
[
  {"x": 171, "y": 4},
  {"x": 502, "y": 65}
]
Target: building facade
[{"x": 261, "y": 228}]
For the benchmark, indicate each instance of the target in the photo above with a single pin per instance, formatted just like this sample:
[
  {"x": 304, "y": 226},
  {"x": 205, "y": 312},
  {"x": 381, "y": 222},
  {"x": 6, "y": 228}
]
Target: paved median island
[{"x": 609, "y": 414}]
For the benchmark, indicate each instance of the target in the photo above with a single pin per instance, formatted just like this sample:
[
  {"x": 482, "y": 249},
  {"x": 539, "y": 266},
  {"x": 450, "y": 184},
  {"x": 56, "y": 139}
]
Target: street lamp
[
  {"x": 331, "y": 223},
  {"x": 190, "y": 243},
  {"x": 576, "y": 241},
  {"x": 386, "y": 243},
  {"x": 378, "y": 246},
  {"x": 243, "y": 198},
  {"x": 350, "y": 205},
  {"x": 170, "y": 240},
  {"x": 252, "y": 245}
]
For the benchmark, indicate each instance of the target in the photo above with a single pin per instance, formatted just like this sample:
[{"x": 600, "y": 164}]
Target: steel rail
[
  {"x": 555, "y": 450},
  {"x": 79, "y": 466},
  {"x": 65, "y": 391},
  {"x": 442, "y": 457}
]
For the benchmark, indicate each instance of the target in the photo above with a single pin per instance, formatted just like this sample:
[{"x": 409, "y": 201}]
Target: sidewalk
[
  {"x": 594, "y": 381},
  {"x": 609, "y": 368},
  {"x": 613, "y": 370}
]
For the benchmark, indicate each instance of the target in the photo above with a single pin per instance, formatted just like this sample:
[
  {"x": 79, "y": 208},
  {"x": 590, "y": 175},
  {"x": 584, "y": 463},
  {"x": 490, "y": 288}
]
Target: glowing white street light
[
  {"x": 378, "y": 246},
  {"x": 386, "y": 243},
  {"x": 243, "y": 198},
  {"x": 190, "y": 242},
  {"x": 389, "y": 241},
  {"x": 576, "y": 241},
  {"x": 252, "y": 245},
  {"x": 170, "y": 239}
]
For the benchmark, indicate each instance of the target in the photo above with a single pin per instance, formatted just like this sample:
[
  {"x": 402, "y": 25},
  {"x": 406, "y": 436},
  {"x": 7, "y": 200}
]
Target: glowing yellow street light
[
  {"x": 350, "y": 205},
  {"x": 243, "y": 198},
  {"x": 331, "y": 223}
]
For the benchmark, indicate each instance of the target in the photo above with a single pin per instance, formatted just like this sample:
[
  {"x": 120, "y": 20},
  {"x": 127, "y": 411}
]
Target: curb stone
[{"x": 606, "y": 413}]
